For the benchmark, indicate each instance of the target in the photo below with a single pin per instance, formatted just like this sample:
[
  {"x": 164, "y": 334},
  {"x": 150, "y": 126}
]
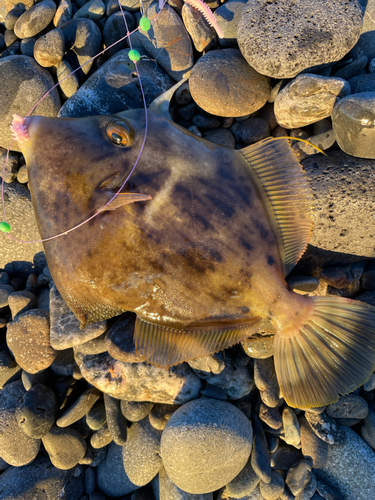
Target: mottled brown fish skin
[{"x": 202, "y": 248}]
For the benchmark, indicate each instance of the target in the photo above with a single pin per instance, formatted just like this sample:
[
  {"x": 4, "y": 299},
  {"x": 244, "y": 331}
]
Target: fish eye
[{"x": 120, "y": 133}]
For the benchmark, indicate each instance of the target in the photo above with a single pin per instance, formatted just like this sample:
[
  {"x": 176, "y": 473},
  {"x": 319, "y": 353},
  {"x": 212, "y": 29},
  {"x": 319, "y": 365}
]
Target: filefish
[{"x": 197, "y": 244}]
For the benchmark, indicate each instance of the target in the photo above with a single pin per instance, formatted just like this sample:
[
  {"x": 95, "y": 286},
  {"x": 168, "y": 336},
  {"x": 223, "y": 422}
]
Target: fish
[{"x": 197, "y": 245}]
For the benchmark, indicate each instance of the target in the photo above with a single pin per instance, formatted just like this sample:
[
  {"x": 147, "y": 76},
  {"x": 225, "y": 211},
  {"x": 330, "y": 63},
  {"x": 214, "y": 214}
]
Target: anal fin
[
  {"x": 331, "y": 355},
  {"x": 165, "y": 346}
]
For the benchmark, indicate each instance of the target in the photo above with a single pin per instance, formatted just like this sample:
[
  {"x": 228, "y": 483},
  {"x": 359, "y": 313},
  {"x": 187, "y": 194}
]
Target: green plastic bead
[
  {"x": 144, "y": 24},
  {"x": 134, "y": 55},
  {"x": 5, "y": 227}
]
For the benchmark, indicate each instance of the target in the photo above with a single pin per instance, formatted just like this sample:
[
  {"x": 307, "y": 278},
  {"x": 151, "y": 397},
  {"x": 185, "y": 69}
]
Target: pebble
[
  {"x": 243, "y": 484},
  {"x": 270, "y": 416},
  {"x": 368, "y": 283},
  {"x": 285, "y": 457},
  {"x": 119, "y": 339},
  {"x": 82, "y": 42},
  {"x": 160, "y": 414},
  {"x": 350, "y": 467},
  {"x": 308, "y": 492},
  {"x": 8, "y": 366},
  {"x": 27, "y": 46},
  {"x": 343, "y": 204},
  {"x": 176, "y": 57},
  {"x": 49, "y": 49},
  {"x": 250, "y": 131},
  {"x": 68, "y": 81},
  {"x": 299, "y": 476},
  {"x": 65, "y": 327},
  {"x": 111, "y": 477},
  {"x": 40, "y": 479},
  {"x": 94, "y": 9},
  {"x": 116, "y": 421},
  {"x": 89, "y": 480},
  {"x": 202, "y": 34},
  {"x": 273, "y": 489},
  {"x": 136, "y": 410},
  {"x": 18, "y": 73},
  {"x": 368, "y": 429},
  {"x": 307, "y": 99},
  {"x": 141, "y": 452},
  {"x": 5, "y": 292},
  {"x": 312, "y": 446},
  {"x": 221, "y": 136},
  {"x": 350, "y": 406},
  {"x": 28, "y": 339},
  {"x": 232, "y": 96},
  {"x": 114, "y": 29},
  {"x": 16, "y": 448},
  {"x": 303, "y": 283},
  {"x": 101, "y": 437},
  {"x": 368, "y": 297},
  {"x": 266, "y": 381},
  {"x": 362, "y": 83},
  {"x": 292, "y": 431},
  {"x": 63, "y": 13},
  {"x": 127, "y": 5},
  {"x": 370, "y": 384},
  {"x": 206, "y": 122},
  {"x": 20, "y": 302},
  {"x": 281, "y": 40},
  {"x": 327, "y": 491},
  {"x": 353, "y": 124},
  {"x": 101, "y": 95},
  {"x": 79, "y": 408},
  {"x": 165, "y": 489},
  {"x": 259, "y": 346},
  {"x": 35, "y": 19},
  {"x": 65, "y": 447},
  {"x": 140, "y": 381},
  {"x": 31, "y": 379},
  {"x": 96, "y": 416},
  {"x": 38, "y": 411},
  {"x": 228, "y": 17},
  {"x": 13, "y": 15},
  {"x": 211, "y": 364},
  {"x": 94, "y": 346},
  {"x": 260, "y": 458},
  {"x": 337, "y": 277},
  {"x": 212, "y": 449},
  {"x": 325, "y": 427},
  {"x": 352, "y": 69},
  {"x": 9, "y": 37},
  {"x": 235, "y": 381}
]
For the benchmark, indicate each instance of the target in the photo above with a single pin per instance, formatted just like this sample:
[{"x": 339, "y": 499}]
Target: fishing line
[{"x": 134, "y": 56}]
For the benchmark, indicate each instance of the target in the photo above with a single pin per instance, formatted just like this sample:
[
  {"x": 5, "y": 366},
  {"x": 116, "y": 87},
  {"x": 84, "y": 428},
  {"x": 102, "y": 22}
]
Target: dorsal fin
[
  {"x": 161, "y": 103},
  {"x": 288, "y": 196}
]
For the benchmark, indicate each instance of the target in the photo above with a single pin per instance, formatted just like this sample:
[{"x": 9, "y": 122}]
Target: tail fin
[{"x": 333, "y": 354}]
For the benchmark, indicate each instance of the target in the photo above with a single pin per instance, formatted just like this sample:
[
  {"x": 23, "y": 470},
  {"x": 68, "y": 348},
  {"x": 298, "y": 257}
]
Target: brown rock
[{"x": 28, "y": 339}]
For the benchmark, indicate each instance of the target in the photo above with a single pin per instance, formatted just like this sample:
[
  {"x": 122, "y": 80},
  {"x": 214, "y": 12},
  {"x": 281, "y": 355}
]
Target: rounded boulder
[{"x": 205, "y": 444}]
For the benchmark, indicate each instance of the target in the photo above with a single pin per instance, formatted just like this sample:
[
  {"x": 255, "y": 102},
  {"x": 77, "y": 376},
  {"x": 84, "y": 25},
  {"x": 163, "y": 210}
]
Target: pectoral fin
[
  {"x": 126, "y": 198},
  {"x": 166, "y": 346}
]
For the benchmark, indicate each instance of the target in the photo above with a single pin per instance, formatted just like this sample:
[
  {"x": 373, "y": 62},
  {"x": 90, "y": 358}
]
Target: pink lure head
[{"x": 18, "y": 129}]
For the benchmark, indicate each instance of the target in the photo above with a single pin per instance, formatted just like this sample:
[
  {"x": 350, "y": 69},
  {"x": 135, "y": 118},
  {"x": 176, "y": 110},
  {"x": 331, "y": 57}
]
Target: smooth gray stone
[
  {"x": 349, "y": 406},
  {"x": 22, "y": 82},
  {"x": 38, "y": 411},
  {"x": 35, "y": 19},
  {"x": 70, "y": 441},
  {"x": 96, "y": 417},
  {"x": 312, "y": 446},
  {"x": 41, "y": 481},
  {"x": 353, "y": 121},
  {"x": 114, "y": 29},
  {"x": 113, "y": 88},
  {"x": 228, "y": 16},
  {"x": 167, "y": 41},
  {"x": 8, "y": 366},
  {"x": 368, "y": 429},
  {"x": 308, "y": 98},
  {"x": 165, "y": 489},
  {"x": 136, "y": 410},
  {"x": 201, "y": 32},
  {"x": 111, "y": 477},
  {"x": 350, "y": 467},
  {"x": 299, "y": 476},
  {"x": 260, "y": 458},
  {"x": 79, "y": 408},
  {"x": 243, "y": 484},
  {"x": 141, "y": 452},
  {"x": 205, "y": 444},
  {"x": 116, "y": 421},
  {"x": 65, "y": 327}
]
